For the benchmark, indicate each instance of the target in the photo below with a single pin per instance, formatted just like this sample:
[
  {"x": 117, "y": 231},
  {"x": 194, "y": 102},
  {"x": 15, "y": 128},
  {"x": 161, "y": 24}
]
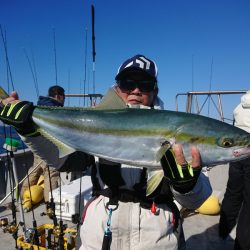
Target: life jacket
[{"x": 111, "y": 177}]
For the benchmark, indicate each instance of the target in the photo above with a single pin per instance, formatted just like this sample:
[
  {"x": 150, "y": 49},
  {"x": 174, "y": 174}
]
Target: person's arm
[
  {"x": 19, "y": 115},
  {"x": 195, "y": 197}
]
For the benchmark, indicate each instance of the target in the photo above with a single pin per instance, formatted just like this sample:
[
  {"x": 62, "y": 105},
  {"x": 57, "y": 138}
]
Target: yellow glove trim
[
  {"x": 12, "y": 106},
  {"x": 3, "y": 109},
  {"x": 19, "y": 112},
  {"x": 179, "y": 167},
  {"x": 190, "y": 169}
]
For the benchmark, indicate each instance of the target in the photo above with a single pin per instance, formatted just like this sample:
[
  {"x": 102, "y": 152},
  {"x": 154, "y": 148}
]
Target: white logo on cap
[
  {"x": 147, "y": 62},
  {"x": 141, "y": 63}
]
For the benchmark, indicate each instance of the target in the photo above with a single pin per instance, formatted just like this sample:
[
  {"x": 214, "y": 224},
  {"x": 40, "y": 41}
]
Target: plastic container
[{"x": 70, "y": 195}]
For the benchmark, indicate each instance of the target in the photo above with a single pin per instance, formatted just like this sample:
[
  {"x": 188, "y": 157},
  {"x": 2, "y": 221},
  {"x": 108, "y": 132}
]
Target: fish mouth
[{"x": 242, "y": 151}]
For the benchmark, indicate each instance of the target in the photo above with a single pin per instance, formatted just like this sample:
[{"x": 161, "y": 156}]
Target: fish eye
[{"x": 226, "y": 142}]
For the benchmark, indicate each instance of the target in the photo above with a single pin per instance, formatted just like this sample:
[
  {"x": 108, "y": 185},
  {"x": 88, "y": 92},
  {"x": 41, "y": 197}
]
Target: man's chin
[{"x": 134, "y": 102}]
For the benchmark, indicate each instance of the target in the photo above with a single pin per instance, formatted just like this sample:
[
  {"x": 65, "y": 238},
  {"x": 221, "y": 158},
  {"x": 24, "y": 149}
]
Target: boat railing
[
  {"x": 194, "y": 106},
  {"x": 89, "y": 100}
]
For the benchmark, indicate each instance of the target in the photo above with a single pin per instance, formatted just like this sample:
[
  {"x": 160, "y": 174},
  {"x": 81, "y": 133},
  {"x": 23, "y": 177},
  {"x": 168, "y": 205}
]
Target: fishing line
[
  {"x": 34, "y": 67},
  {"x": 32, "y": 72}
]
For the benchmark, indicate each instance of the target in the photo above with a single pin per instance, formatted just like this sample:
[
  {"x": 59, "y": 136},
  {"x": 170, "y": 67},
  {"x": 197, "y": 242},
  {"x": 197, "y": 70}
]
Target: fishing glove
[
  {"x": 182, "y": 177},
  {"x": 19, "y": 115}
]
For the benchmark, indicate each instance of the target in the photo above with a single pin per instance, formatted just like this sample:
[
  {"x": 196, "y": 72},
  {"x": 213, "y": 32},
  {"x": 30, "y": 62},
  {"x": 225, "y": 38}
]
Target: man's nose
[{"x": 136, "y": 90}]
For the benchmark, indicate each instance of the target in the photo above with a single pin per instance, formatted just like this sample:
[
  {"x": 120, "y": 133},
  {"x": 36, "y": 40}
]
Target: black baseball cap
[{"x": 138, "y": 63}]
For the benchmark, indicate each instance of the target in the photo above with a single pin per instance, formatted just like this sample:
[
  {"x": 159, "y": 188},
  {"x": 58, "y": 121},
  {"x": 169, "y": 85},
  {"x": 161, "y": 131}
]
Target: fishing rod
[
  {"x": 54, "y": 39},
  {"x": 93, "y": 43},
  {"x": 31, "y": 234},
  {"x": 10, "y": 146},
  {"x": 9, "y": 74},
  {"x": 58, "y": 229},
  {"x": 85, "y": 66},
  {"x": 20, "y": 182},
  {"x": 61, "y": 226},
  {"x": 11, "y": 227},
  {"x": 50, "y": 205},
  {"x": 32, "y": 72}
]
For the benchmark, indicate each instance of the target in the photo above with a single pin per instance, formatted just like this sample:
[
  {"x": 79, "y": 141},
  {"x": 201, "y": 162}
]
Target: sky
[{"x": 197, "y": 45}]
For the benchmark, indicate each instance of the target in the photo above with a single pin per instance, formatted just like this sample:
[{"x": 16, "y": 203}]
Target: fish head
[{"x": 234, "y": 145}]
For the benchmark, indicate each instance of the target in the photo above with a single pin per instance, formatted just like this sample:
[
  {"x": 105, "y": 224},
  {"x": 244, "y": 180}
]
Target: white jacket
[{"x": 242, "y": 113}]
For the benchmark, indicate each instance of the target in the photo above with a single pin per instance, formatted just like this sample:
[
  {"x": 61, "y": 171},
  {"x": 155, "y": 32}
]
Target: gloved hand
[
  {"x": 182, "y": 177},
  {"x": 19, "y": 115}
]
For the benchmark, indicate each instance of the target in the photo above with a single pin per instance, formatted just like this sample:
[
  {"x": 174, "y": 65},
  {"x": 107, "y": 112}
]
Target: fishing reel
[
  {"x": 57, "y": 231},
  {"x": 30, "y": 234},
  {"x": 8, "y": 227},
  {"x": 50, "y": 210}
]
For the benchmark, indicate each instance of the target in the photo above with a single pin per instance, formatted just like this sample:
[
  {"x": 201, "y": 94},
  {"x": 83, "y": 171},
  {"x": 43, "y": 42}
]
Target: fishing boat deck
[{"x": 201, "y": 231}]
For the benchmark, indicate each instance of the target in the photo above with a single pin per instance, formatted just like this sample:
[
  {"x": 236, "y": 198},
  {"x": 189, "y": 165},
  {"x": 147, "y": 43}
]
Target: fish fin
[
  {"x": 3, "y": 93},
  {"x": 154, "y": 180},
  {"x": 111, "y": 101},
  {"x": 63, "y": 148},
  {"x": 163, "y": 149}
]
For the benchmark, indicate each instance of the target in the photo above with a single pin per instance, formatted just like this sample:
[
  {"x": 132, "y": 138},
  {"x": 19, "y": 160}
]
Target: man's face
[
  {"x": 60, "y": 98},
  {"x": 137, "y": 88}
]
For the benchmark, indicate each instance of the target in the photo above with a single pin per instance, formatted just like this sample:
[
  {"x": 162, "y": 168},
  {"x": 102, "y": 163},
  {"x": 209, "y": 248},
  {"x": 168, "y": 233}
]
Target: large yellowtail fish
[{"x": 139, "y": 137}]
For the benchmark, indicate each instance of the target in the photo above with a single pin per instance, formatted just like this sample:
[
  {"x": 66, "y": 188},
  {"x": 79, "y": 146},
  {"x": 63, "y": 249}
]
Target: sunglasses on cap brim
[{"x": 142, "y": 85}]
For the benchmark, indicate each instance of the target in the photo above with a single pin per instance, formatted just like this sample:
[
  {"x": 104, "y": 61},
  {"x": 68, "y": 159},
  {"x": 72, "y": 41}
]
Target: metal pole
[{"x": 17, "y": 185}]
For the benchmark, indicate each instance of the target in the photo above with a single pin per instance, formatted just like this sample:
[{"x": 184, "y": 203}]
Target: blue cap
[{"x": 138, "y": 63}]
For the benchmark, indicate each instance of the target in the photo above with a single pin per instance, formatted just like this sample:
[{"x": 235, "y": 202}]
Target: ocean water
[{"x": 9, "y": 132}]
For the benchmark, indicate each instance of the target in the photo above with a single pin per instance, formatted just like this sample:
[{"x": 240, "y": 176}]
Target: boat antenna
[
  {"x": 192, "y": 72},
  {"x": 68, "y": 86},
  {"x": 85, "y": 66},
  {"x": 210, "y": 84},
  {"x": 33, "y": 72},
  {"x": 79, "y": 104},
  {"x": 9, "y": 74},
  {"x": 54, "y": 39},
  {"x": 93, "y": 43}
]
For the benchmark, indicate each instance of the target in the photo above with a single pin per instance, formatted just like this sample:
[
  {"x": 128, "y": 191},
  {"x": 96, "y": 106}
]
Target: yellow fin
[
  {"x": 3, "y": 93},
  {"x": 154, "y": 179},
  {"x": 163, "y": 149},
  {"x": 63, "y": 148},
  {"x": 111, "y": 101}
]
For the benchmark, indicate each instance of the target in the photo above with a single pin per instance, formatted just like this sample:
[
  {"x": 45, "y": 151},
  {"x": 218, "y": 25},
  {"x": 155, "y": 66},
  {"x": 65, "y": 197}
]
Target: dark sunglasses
[{"x": 143, "y": 86}]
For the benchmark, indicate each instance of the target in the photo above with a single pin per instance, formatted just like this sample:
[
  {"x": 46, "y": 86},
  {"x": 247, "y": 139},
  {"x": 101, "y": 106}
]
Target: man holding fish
[{"x": 138, "y": 171}]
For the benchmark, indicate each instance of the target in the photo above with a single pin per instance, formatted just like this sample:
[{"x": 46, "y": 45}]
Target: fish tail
[{"x": 3, "y": 93}]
